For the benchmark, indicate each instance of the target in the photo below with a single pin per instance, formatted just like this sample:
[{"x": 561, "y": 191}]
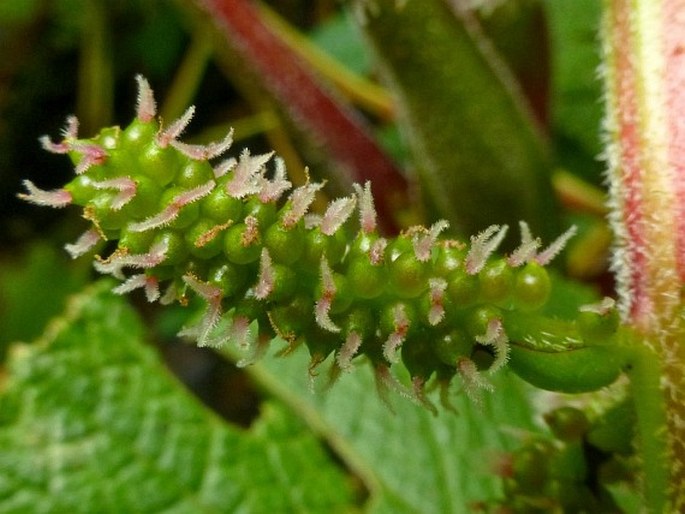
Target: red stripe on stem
[
  {"x": 627, "y": 114},
  {"x": 338, "y": 128},
  {"x": 674, "y": 51}
]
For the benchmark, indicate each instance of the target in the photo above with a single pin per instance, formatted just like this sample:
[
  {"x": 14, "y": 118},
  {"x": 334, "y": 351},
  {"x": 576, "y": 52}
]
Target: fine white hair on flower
[
  {"x": 301, "y": 198},
  {"x": 119, "y": 260},
  {"x": 173, "y": 131},
  {"x": 545, "y": 257},
  {"x": 171, "y": 211},
  {"x": 83, "y": 244},
  {"x": 496, "y": 337},
  {"x": 204, "y": 152},
  {"x": 325, "y": 302},
  {"x": 436, "y": 313},
  {"x": 57, "y": 198},
  {"x": 348, "y": 350},
  {"x": 246, "y": 174},
  {"x": 401, "y": 323},
  {"x": 528, "y": 248},
  {"x": 271, "y": 190},
  {"x": 424, "y": 243},
  {"x": 266, "y": 281},
  {"x": 337, "y": 213},
  {"x": 125, "y": 185},
  {"x": 146, "y": 108},
  {"x": 367, "y": 211},
  {"x": 482, "y": 246}
]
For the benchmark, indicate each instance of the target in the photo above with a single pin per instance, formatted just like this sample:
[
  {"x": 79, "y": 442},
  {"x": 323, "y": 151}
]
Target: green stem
[
  {"x": 188, "y": 75},
  {"x": 645, "y": 374},
  {"x": 96, "y": 92}
]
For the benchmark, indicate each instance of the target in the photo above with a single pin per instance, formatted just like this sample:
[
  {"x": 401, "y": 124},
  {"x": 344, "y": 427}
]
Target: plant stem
[
  {"x": 645, "y": 376},
  {"x": 335, "y": 126},
  {"x": 644, "y": 46}
]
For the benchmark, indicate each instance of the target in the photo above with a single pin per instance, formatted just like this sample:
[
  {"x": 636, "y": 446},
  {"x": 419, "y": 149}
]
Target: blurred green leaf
[
  {"x": 576, "y": 90},
  {"x": 33, "y": 289},
  {"x": 410, "y": 460},
  {"x": 475, "y": 144},
  {"x": 339, "y": 36},
  {"x": 18, "y": 12},
  {"x": 91, "y": 421}
]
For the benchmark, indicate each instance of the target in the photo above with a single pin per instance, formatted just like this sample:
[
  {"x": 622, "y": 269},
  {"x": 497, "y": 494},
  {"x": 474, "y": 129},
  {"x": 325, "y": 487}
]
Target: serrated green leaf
[
  {"x": 410, "y": 460},
  {"x": 475, "y": 145},
  {"x": 91, "y": 421}
]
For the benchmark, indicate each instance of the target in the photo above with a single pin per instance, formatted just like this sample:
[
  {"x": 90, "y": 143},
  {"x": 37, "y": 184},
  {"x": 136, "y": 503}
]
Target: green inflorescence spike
[{"x": 227, "y": 233}]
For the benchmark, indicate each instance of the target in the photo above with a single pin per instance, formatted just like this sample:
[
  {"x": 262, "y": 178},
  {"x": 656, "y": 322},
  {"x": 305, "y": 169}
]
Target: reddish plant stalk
[
  {"x": 332, "y": 124},
  {"x": 644, "y": 44}
]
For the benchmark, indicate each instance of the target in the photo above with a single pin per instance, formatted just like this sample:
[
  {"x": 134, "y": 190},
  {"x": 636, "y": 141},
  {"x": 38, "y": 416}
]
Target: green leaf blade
[
  {"x": 477, "y": 149},
  {"x": 410, "y": 460},
  {"x": 92, "y": 422}
]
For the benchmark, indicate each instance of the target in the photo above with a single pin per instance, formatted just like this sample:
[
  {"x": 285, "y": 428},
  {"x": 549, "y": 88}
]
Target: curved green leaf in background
[
  {"x": 410, "y": 460},
  {"x": 91, "y": 421},
  {"x": 477, "y": 149}
]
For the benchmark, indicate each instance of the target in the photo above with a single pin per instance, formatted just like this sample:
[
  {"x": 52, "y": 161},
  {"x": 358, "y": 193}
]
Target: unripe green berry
[
  {"x": 81, "y": 189},
  {"x": 146, "y": 201},
  {"x": 194, "y": 173},
  {"x": 408, "y": 276},
  {"x": 362, "y": 321},
  {"x": 203, "y": 240},
  {"x": 177, "y": 250},
  {"x": 264, "y": 213},
  {"x": 158, "y": 164},
  {"x": 532, "y": 287},
  {"x": 292, "y": 318},
  {"x": 229, "y": 277},
  {"x": 478, "y": 319},
  {"x": 366, "y": 280},
  {"x": 401, "y": 245},
  {"x": 419, "y": 358},
  {"x": 284, "y": 283},
  {"x": 362, "y": 244},
  {"x": 221, "y": 207},
  {"x": 453, "y": 346},
  {"x": 462, "y": 289},
  {"x": 136, "y": 242},
  {"x": 318, "y": 244},
  {"x": 108, "y": 138},
  {"x": 139, "y": 134},
  {"x": 496, "y": 280},
  {"x": 107, "y": 218},
  {"x": 448, "y": 258},
  {"x": 285, "y": 246},
  {"x": 239, "y": 248}
]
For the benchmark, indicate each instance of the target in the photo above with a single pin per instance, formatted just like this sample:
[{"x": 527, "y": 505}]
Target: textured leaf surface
[
  {"x": 410, "y": 460},
  {"x": 91, "y": 421}
]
